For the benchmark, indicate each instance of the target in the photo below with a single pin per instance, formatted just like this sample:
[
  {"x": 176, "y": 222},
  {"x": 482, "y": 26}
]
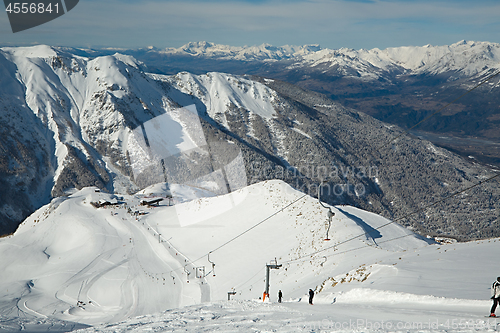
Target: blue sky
[{"x": 331, "y": 23}]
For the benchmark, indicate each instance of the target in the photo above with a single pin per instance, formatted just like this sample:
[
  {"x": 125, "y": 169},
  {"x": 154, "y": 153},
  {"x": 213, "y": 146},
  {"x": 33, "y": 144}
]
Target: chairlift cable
[
  {"x": 241, "y": 285},
  {"x": 244, "y": 232},
  {"x": 350, "y": 250},
  {"x": 256, "y": 225},
  {"x": 400, "y": 218},
  {"x": 352, "y": 238}
]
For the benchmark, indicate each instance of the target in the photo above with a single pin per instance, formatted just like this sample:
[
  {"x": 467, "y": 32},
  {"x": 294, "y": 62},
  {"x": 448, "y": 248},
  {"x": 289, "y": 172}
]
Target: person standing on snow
[
  {"x": 280, "y": 295},
  {"x": 495, "y": 296},
  {"x": 311, "y": 296}
]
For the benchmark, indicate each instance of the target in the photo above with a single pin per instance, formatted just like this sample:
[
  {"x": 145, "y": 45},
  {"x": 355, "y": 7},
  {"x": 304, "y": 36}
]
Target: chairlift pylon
[{"x": 200, "y": 272}]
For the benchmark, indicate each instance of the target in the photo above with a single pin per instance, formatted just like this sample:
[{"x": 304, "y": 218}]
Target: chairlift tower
[
  {"x": 272, "y": 265},
  {"x": 230, "y": 293}
]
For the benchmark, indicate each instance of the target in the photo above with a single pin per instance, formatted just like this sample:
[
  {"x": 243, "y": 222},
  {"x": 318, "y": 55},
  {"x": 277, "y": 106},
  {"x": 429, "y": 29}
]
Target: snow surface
[{"x": 136, "y": 268}]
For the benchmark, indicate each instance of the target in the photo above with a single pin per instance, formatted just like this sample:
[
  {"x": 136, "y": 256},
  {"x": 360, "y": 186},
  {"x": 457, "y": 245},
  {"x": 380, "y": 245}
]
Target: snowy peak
[
  {"x": 467, "y": 57},
  {"x": 62, "y": 118},
  {"x": 38, "y": 51}
]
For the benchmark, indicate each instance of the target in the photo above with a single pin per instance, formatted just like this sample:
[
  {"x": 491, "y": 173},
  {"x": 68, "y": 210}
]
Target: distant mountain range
[{"x": 466, "y": 57}]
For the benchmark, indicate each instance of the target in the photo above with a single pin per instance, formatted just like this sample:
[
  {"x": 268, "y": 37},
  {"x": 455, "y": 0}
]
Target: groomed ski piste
[{"x": 127, "y": 266}]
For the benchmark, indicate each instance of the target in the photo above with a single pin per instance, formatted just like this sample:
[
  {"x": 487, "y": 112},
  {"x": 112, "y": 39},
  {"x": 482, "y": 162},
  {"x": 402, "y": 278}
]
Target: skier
[
  {"x": 280, "y": 295},
  {"x": 311, "y": 295},
  {"x": 495, "y": 296}
]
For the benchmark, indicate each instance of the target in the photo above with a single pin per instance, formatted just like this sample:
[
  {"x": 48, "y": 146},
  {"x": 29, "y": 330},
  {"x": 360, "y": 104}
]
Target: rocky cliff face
[{"x": 71, "y": 121}]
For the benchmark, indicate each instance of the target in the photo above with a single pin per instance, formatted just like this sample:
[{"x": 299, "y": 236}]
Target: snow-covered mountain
[
  {"x": 70, "y": 121},
  {"x": 73, "y": 262},
  {"x": 464, "y": 58}
]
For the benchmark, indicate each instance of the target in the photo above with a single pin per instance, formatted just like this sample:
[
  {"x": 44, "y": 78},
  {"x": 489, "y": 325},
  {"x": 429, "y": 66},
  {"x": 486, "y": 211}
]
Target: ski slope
[{"x": 129, "y": 267}]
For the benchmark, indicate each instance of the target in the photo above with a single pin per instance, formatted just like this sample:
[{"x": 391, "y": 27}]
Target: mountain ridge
[{"x": 418, "y": 59}]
